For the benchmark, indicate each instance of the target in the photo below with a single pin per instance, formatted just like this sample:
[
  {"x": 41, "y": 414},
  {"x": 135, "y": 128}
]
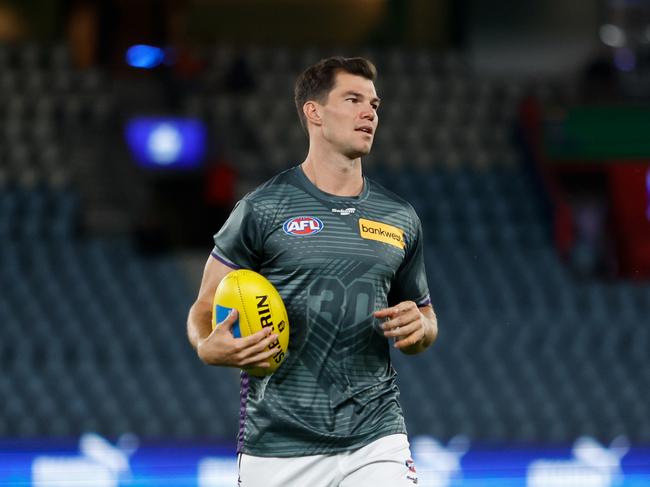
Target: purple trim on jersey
[
  {"x": 425, "y": 301},
  {"x": 243, "y": 398},
  {"x": 224, "y": 261}
]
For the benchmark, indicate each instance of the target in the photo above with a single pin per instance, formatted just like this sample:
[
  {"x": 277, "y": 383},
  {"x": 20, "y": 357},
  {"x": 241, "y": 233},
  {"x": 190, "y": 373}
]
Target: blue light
[
  {"x": 166, "y": 142},
  {"x": 93, "y": 460},
  {"x": 144, "y": 56}
]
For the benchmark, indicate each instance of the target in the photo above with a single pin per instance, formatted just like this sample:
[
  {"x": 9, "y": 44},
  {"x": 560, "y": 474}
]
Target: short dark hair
[{"x": 316, "y": 82}]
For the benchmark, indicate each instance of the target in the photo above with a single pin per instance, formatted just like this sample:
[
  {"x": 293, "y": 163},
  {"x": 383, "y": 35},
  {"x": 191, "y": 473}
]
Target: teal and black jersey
[{"x": 335, "y": 260}]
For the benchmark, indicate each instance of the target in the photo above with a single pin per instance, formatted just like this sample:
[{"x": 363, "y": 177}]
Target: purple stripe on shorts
[
  {"x": 425, "y": 301},
  {"x": 224, "y": 261},
  {"x": 243, "y": 397}
]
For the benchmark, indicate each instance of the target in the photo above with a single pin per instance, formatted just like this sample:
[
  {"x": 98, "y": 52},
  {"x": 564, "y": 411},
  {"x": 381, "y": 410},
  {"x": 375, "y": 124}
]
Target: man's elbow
[{"x": 194, "y": 317}]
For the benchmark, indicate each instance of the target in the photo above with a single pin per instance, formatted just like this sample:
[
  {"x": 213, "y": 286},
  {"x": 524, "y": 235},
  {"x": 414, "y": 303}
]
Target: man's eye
[{"x": 352, "y": 99}]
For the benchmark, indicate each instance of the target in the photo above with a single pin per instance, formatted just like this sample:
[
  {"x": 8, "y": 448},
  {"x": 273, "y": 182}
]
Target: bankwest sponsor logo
[
  {"x": 302, "y": 225},
  {"x": 381, "y": 232}
]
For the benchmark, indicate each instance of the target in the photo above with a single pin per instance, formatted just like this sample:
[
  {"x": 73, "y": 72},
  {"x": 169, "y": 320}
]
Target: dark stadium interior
[{"x": 538, "y": 265}]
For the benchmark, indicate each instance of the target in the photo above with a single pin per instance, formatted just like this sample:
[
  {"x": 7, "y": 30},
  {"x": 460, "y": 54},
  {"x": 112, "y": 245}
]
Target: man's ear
[{"x": 311, "y": 109}]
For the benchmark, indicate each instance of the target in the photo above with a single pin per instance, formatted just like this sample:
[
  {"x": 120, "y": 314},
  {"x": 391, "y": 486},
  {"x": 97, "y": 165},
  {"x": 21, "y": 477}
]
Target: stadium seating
[{"x": 93, "y": 331}]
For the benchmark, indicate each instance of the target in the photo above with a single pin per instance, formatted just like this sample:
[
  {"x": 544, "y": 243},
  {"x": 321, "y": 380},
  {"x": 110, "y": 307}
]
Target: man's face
[{"x": 349, "y": 115}]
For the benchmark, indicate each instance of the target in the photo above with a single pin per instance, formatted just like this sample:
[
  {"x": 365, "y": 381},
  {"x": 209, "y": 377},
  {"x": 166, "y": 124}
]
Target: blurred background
[{"x": 520, "y": 131}]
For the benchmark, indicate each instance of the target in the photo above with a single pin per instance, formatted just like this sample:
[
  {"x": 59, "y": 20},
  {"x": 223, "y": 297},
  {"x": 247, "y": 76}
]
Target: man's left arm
[{"x": 413, "y": 328}]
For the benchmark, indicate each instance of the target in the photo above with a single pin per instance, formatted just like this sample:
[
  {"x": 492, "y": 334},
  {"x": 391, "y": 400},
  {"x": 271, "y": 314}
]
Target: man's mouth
[{"x": 367, "y": 130}]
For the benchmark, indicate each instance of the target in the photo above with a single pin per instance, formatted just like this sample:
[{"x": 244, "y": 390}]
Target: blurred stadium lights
[
  {"x": 166, "y": 142},
  {"x": 626, "y": 30},
  {"x": 144, "y": 56},
  {"x": 625, "y": 59},
  {"x": 612, "y": 35}
]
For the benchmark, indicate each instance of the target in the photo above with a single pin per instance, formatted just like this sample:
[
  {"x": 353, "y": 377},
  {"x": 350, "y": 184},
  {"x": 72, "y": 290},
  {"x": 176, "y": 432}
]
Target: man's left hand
[{"x": 406, "y": 323}]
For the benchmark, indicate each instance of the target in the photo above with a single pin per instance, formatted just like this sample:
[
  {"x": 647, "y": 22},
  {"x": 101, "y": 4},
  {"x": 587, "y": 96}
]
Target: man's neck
[{"x": 334, "y": 174}]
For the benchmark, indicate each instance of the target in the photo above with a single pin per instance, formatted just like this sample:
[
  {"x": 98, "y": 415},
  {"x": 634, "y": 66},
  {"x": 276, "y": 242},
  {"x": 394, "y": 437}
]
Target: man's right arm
[{"x": 219, "y": 346}]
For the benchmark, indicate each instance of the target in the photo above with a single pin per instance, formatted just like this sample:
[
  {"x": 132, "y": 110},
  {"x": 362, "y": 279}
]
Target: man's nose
[{"x": 369, "y": 114}]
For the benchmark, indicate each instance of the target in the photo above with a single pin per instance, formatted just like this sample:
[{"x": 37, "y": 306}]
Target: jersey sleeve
[
  {"x": 238, "y": 244},
  {"x": 410, "y": 283}
]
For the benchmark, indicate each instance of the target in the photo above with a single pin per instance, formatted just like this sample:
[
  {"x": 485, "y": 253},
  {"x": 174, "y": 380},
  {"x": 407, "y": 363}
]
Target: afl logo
[{"x": 302, "y": 225}]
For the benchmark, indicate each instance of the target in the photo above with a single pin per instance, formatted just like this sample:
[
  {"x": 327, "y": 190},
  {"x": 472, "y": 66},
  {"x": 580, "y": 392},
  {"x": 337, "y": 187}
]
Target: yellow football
[{"x": 259, "y": 305}]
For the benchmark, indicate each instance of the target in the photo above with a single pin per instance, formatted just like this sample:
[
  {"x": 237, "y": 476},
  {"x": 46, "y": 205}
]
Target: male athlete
[{"x": 346, "y": 256}]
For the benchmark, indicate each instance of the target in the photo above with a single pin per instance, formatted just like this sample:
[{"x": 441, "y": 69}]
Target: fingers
[
  {"x": 227, "y": 324},
  {"x": 402, "y": 331},
  {"x": 402, "y": 319},
  {"x": 253, "y": 339},
  {"x": 404, "y": 324},
  {"x": 251, "y": 350},
  {"x": 255, "y": 349},
  {"x": 260, "y": 359},
  {"x": 409, "y": 340},
  {"x": 259, "y": 354},
  {"x": 230, "y": 320},
  {"x": 224, "y": 326},
  {"x": 398, "y": 309},
  {"x": 221, "y": 348},
  {"x": 386, "y": 312}
]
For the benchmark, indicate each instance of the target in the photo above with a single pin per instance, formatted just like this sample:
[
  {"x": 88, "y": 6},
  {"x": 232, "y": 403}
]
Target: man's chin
[{"x": 359, "y": 152}]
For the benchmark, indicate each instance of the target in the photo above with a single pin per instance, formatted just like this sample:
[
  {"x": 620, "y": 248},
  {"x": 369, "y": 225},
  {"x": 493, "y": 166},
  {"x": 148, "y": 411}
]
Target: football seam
[{"x": 243, "y": 305}]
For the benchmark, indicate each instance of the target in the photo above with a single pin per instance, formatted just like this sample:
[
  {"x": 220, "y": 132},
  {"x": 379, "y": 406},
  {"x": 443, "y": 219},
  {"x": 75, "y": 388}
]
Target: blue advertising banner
[{"x": 92, "y": 461}]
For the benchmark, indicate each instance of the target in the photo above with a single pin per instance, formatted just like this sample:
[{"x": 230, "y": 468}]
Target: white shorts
[{"x": 385, "y": 462}]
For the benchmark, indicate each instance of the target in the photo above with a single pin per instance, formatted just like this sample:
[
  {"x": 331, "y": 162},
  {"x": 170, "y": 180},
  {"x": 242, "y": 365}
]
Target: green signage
[{"x": 598, "y": 133}]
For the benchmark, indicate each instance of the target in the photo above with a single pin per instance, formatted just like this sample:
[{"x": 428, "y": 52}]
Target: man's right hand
[{"x": 220, "y": 347}]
